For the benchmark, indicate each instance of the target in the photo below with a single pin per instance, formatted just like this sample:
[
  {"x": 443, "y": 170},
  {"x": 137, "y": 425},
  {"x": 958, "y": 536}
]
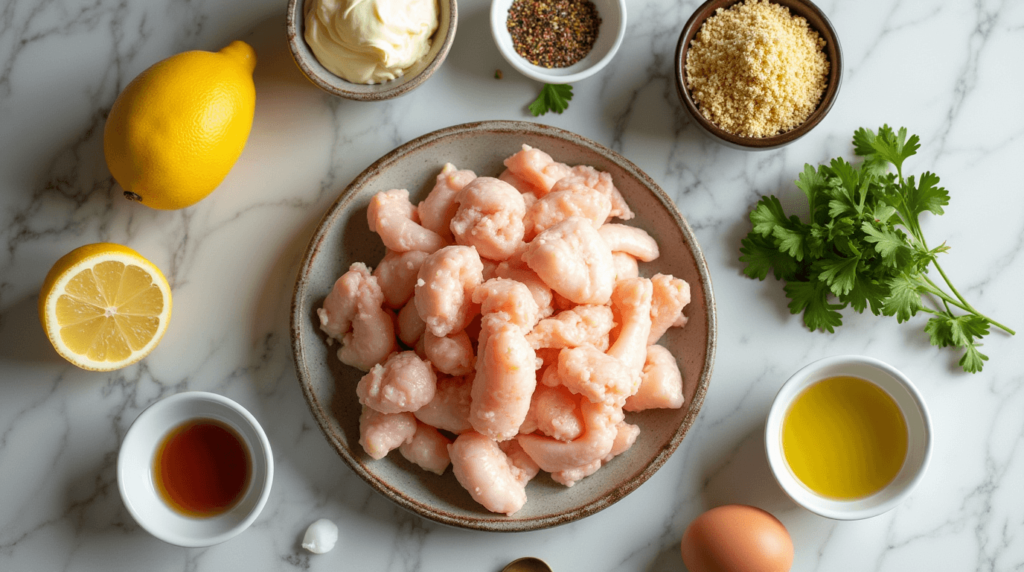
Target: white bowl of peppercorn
[{"x": 558, "y": 41}]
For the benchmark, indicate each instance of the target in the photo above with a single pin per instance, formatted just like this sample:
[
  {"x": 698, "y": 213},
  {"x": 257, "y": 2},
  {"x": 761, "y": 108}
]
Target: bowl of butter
[{"x": 369, "y": 50}]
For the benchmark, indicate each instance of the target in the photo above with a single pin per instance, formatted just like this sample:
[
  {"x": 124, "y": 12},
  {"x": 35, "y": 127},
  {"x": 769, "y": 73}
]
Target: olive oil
[{"x": 844, "y": 438}]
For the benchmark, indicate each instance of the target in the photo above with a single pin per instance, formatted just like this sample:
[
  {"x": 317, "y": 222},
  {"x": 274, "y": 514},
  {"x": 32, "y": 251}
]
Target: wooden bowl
[
  {"x": 817, "y": 20},
  {"x": 343, "y": 237},
  {"x": 413, "y": 78}
]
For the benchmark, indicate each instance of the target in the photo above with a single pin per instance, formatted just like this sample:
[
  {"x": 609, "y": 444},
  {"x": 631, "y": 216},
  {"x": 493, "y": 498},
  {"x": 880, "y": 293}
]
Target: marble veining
[{"x": 947, "y": 70}]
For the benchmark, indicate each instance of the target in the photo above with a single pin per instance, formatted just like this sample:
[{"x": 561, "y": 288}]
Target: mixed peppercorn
[{"x": 553, "y": 33}]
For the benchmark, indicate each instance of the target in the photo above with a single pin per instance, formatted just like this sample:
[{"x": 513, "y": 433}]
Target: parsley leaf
[
  {"x": 888, "y": 243},
  {"x": 863, "y": 246},
  {"x": 790, "y": 241},
  {"x": 761, "y": 256},
  {"x": 926, "y": 196},
  {"x": 894, "y": 147},
  {"x": 812, "y": 183},
  {"x": 973, "y": 359},
  {"x": 553, "y": 97},
  {"x": 839, "y": 274},
  {"x": 767, "y": 215},
  {"x": 904, "y": 300},
  {"x": 811, "y": 298}
]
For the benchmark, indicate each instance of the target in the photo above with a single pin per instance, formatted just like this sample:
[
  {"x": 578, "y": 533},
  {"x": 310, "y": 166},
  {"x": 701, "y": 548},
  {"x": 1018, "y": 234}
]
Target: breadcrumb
[{"x": 755, "y": 70}]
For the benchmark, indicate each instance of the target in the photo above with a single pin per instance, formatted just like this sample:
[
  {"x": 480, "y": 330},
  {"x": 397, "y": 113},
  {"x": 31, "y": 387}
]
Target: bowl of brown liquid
[{"x": 195, "y": 469}]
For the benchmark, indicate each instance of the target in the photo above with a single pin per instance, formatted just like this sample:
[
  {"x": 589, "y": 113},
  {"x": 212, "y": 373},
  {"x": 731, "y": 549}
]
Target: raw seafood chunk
[
  {"x": 614, "y": 376},
  {"x": 396, "y": 275},
  {"x": 570, "y": 477},
  {"x": 552, "y": 455},
  {"x": 555, "y": 412},
  {"x": 505, "y": 379},
  {"x": 572, "y": 260},
  {"x": 511, "y": 299},
  {"x": 671, "y": 295},
  {"x": 353, "y": 315},
  {"x": 449, "y": 410},
  {"x": 444, "y": 290},
  {"x": 437, "y": 210},
  {"x": 625, "y": 436},
  {"x": 537, "y": 169},
  {"x": 489, "y": 217},
  {"x": 599, "y": 181},
  {"x": 625, "y": 266},
  {"x": 410, "y": 325},
  {"x": 632, "y": 300},
  {"x": 529, "y": 192},
  {"x": 428, "y": 448},
  {"x": 380, "y": 433},
  {"x": 582, "y": 325},
  {"x": 520, "y": 272},
  {"x": 520, "y": 459},
  {"x": 631, "y": 240},
  {"x": 403, "y": 383},
  {"x": 452, "y": 354},
  {"x": 595, "y": 375},
  {"x": 484, "y": 470},
  {"x": 557, "y": 206},
  {"x": 391, "y": 215},
  {"x": 661, "y": 384}
]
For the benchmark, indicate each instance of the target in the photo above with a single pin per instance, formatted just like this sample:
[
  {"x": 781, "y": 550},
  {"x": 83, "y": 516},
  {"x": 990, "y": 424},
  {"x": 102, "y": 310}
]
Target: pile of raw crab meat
[{"x": 507, "y": 328}]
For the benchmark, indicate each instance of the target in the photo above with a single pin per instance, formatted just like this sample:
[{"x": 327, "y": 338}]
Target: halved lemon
[{"x": 104, "y": 306}]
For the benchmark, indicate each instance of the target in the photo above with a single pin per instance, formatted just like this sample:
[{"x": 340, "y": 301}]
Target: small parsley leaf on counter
[
  {"x": 553, "y": 97},
  {"x": 863, "y": 246}
]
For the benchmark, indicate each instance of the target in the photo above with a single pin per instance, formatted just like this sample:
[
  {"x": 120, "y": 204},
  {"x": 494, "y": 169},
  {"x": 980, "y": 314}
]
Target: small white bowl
[
  {"x": 919, "y": 431},
  {"x": 609, "y": 38},
  {"x": 135, "y": 470}
]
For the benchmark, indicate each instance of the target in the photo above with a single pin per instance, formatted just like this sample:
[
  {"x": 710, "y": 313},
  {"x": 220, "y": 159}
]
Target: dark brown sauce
[{"x": 202, "y": 468}]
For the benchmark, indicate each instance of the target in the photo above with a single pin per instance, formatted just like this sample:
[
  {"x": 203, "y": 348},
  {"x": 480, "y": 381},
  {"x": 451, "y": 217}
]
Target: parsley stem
[
  {"x": 951, "y": 287},
  {"x": 963, "y": 306}
]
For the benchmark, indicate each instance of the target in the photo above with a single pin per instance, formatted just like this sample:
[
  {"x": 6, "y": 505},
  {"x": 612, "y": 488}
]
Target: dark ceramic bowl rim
[
  {"x": 398, "y": 88},
  {"x": 835, "y": 77},
  {"x": 320, "y": 410}
]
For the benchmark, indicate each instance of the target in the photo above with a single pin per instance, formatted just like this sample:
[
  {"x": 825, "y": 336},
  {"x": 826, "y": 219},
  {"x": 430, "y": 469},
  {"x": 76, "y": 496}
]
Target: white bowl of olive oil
[
  {"x": 195, "y": 469},
  {"x": 848, "y": 437}
]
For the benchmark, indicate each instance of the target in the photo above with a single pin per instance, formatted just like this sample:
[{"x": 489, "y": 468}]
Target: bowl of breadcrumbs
[{"x": 758, "y": 74}]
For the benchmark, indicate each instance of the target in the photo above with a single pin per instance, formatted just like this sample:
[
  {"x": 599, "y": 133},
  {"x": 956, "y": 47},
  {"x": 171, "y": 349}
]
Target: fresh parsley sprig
[
  {"x": 863, "y": 246},
  {"x": 552, "y": 98}
]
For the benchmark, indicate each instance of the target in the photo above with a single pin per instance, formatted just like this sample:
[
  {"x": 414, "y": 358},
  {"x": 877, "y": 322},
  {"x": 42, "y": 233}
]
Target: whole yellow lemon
[{"x": 178, "y": 128}]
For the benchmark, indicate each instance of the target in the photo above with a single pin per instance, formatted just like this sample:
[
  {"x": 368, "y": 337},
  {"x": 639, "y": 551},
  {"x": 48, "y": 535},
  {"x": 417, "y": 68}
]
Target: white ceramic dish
[
  {"x": 135, "y": 470},
  {"x": 609, "y": 38},
  {"x": 919, "y": 442}
]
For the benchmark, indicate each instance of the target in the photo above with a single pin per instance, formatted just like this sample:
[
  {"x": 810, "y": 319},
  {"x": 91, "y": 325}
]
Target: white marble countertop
[{"x": 948, "y": 70}]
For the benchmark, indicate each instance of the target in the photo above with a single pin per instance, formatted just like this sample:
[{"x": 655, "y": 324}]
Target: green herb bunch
[{"x": 863, "y": 247}]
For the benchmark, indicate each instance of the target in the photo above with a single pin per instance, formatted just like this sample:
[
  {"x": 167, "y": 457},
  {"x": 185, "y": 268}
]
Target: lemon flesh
[{"x": 104, "y": 306}]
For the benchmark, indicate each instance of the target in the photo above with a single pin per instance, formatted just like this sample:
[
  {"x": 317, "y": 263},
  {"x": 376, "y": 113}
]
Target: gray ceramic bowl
[
  {"x": 343, "y": 237},
  {"x": 817, "y": 20},
  {"x": 413, "y": 78}
]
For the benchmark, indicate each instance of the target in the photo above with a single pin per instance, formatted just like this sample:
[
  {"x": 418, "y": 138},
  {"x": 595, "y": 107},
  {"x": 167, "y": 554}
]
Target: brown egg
[{"x": 737, "y": 538}]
